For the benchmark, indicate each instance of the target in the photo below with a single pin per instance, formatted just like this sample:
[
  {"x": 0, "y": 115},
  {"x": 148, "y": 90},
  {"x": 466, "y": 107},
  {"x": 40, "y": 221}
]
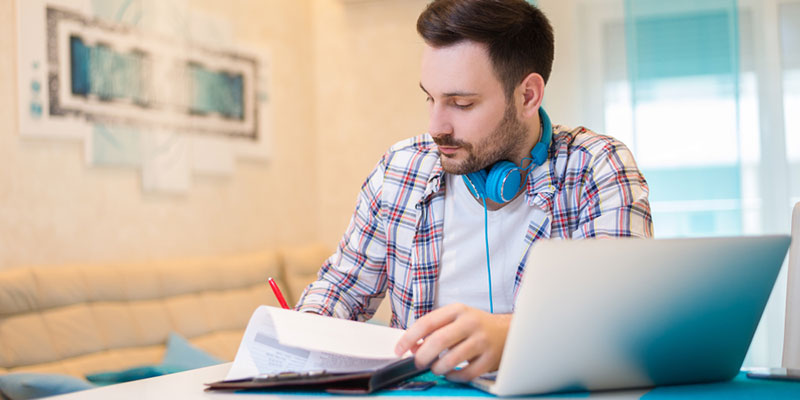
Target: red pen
[{"x": 278, "y": 293}]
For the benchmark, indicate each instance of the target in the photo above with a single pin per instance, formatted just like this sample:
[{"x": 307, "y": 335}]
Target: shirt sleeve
[
  {"x": 614, "y": 200},
  {"x": 352, "y": 282}
]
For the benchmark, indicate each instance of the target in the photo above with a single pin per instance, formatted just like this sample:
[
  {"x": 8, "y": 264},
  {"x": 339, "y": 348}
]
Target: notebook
[{"x": 290, "y": 350}]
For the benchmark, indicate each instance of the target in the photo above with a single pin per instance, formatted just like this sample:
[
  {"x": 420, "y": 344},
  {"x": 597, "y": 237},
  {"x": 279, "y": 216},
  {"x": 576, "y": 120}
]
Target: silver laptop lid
[
  {"x": 791, "y": 336},
  {"x": 612, "y": 314}
]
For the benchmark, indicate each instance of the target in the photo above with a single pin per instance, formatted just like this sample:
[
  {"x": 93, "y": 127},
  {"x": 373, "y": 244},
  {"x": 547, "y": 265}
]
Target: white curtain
[{"x": 707, "y": 95}]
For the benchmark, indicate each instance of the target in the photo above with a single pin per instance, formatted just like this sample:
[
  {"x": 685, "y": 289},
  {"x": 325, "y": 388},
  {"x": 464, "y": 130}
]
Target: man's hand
[{"x": 468, "y": 334}]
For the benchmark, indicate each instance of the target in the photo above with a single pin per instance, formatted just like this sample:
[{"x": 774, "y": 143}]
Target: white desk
[
  {"x": 189, "y": 386},
  {"x": 183, "y": 385}
]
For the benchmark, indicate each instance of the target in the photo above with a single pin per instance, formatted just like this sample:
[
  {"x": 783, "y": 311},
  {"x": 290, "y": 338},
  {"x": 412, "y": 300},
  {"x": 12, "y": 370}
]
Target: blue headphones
[{"x": 502, "y": 180}]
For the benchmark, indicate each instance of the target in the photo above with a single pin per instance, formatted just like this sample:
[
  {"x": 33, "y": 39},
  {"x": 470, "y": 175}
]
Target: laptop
[
  {"x": 633, "y": 313},
  {"x": 791, "y": 336}
]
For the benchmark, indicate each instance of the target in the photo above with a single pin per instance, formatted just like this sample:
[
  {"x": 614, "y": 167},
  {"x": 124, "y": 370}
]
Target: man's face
[{"x": 470, "y": 120}]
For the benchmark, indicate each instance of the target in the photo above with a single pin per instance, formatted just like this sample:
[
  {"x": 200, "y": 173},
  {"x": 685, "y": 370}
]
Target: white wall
[
  {"x": 345, "y": 87},
  {"x": 56, "y": 210},
  {"x": 368, "y": 97}
]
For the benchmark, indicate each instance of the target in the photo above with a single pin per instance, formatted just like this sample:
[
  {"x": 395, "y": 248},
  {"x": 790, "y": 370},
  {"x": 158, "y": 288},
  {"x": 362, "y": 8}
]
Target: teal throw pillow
[
  {"x": 130, "y": 374},
  {"x": 180, "y": 356},
  {"x": 20, "y": 385}
]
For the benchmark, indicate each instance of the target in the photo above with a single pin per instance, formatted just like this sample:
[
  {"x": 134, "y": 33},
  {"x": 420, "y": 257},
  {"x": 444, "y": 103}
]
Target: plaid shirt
[{"x": 589, "y": 186}]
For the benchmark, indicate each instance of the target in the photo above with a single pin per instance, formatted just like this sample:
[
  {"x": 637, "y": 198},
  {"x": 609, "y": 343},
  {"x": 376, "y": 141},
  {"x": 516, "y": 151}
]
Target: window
[
  {"x": 706, "y": 96},
  {"x": 684, "y": 111},
  {"x": 790, "y": 51}
]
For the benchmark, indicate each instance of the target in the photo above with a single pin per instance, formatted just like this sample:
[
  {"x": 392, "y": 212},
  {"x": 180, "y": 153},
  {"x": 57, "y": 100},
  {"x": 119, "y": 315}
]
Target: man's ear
[{"x": 532, "y": 90}]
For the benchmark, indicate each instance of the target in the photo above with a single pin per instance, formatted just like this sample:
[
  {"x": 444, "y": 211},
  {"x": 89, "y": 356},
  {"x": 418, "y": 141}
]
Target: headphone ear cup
[
  {"x": 476, "y": 183},
  {"x": 503, "y": 182}
]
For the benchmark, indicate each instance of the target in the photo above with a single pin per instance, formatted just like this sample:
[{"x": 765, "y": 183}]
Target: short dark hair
[{"x": 518, "y": 35}]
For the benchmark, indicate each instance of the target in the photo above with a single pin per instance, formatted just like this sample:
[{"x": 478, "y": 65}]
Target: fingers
[
  {"x": 466, "y": 333},
  {"x": 447, "y": 338},
  {"x": 476, "y": 368},
  {"x": 424, "y": 326},
  {"x": 468, "y": 350},
  {"x": 482, "y": 346}
]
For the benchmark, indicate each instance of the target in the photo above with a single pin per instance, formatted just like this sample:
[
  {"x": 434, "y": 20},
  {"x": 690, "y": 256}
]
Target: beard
[{"x": 499, "y": 145}]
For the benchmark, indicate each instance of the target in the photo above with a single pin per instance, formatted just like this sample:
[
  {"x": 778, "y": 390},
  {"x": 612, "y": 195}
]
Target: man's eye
[
  {"x": 462, "y": 106},
  {"x": 428, "y": 99}
]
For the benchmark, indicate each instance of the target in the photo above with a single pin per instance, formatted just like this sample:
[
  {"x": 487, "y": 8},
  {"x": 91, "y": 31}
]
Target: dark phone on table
[{"x": 785, "y": 374}]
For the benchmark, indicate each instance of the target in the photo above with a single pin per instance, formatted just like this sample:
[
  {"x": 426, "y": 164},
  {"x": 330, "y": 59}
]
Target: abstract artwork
[{"x": 143, "y": 86}]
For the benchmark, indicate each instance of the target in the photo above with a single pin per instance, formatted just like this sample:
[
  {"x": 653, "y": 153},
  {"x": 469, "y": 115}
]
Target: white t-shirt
[{"x": 463, "y": 277}]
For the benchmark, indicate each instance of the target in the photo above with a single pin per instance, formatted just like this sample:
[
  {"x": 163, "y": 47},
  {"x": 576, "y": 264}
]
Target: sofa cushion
[
  {"x": 220, "y": 344},
  {"x": 73, "y": 331},
  {"x": 112, "y": 360},
  {"x": 180, "y": 356},
  {"x": 185, "y": 315},
  {"x": 151, "y": 321},
  {"x": 59, "y": 287},
  {"x": 17, "y": 292},
  {"x": 81, "y": 318},
  {"x": 115, "y": 323},
  {"x": 192, "y": 276},
  {"x": 25, "y": 340}
]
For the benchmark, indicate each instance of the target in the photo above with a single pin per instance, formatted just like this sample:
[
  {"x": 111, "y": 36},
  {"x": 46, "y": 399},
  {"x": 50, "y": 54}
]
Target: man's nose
[{"x": 439, "y": 124}]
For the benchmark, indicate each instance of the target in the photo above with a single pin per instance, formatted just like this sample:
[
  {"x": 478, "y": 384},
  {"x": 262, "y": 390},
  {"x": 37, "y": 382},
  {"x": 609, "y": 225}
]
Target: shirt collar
[
  {"x": 541, "y": 185},
  {"x": 435, "y": 181}
]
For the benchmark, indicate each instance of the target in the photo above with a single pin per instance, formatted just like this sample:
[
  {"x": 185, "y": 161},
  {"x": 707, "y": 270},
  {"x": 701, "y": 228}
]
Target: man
[{"x": 417, "y": 233}]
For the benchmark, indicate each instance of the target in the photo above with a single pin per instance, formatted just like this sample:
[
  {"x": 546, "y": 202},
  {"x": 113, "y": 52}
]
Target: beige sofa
[{"x": 88, "y": 318}]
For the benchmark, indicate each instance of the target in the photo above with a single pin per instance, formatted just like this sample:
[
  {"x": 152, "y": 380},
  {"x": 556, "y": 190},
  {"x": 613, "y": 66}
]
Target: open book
[{"x": 288, "y": 349}]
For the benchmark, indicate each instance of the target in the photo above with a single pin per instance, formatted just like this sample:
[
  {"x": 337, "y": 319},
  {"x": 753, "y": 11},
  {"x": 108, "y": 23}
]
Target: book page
[
  {"x": 334, "y": 335},
  {"x": 278, "y": 340}
]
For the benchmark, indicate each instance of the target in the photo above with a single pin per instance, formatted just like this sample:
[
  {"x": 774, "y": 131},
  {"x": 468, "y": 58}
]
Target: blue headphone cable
[
  {"x": 486, "y": 240},
  {"x": 479, "y": 188}
]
